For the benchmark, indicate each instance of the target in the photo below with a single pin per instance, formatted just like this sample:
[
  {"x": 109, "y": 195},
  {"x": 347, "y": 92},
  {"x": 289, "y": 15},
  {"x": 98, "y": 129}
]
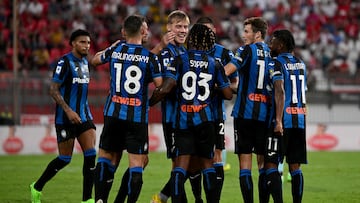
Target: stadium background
[{"x": 326, "y": 32}]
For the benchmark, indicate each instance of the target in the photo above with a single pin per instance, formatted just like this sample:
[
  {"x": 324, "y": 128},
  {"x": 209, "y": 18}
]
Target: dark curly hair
[
  {"x": 201, "y": 38},
  {"x": 286, "y": 37}
]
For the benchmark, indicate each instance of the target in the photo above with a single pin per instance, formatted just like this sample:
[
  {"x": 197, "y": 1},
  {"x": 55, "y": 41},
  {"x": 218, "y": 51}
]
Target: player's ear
[
  {"x": 123, "y": 33},
  {"x": 258, "y": 35}
]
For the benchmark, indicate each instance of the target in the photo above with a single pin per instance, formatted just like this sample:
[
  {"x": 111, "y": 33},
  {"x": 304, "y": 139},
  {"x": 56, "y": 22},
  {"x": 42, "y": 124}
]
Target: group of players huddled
[{"x": 193, "y": 75}]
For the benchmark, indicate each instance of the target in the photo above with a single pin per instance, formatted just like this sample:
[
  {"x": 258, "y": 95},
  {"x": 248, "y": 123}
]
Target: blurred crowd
[{"x": 326, "y": 31}]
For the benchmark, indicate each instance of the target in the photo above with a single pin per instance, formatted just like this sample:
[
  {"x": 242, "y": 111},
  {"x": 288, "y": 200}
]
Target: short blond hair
[{"x": 177, "y": 15}]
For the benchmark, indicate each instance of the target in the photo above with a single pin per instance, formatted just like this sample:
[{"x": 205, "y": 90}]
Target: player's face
[
  {"x": 274, "y": 46},
  {"x": 145, "y": 32},
  {"x": 181, "y": 30},
  {"x": 81, "y": 45},
  {"x": 248, "y": 35},
  {"x": 211, "y": 26}
]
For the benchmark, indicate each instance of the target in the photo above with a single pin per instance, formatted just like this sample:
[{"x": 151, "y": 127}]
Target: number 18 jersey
[{"x": 132, "y": 68}]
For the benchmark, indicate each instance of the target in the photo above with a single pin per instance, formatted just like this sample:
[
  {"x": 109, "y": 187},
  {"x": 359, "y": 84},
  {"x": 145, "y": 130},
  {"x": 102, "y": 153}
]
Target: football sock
[
  {"x": 264, "y": 194},
  {"x": 177, "y": 184},
  {"x": 195, "y": 181},
  {"x": 104, "y": 176},
  {"x": 88, "y": 173},
  {"x": 223, "y": 155},
  {"x": 297, "y": 185},
  {"x": 281, "y": 168},
  {"x": 52, "y": 168},
  {"x": 134, "y": 184},
  {"x": 274, "y": 184},
  {"x": 123, "y": 190},
  {"x": 166, "y": 191},
  {"x": 219, "y": 169},
  {"x": 246, "y": 185},
  {"x": 209, "y": 185}
]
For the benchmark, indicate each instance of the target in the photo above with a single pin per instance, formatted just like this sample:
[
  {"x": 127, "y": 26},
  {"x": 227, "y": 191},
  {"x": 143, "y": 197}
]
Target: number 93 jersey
[
  {"x": 196, "y": 74},
  {"x": 132, "y": 68}
]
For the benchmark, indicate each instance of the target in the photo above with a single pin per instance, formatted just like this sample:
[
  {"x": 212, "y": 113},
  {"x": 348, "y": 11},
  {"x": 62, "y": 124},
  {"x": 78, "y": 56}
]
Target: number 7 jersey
[
  {"x": 132, "y": 68},
  {"x": 252, "y": 98}
]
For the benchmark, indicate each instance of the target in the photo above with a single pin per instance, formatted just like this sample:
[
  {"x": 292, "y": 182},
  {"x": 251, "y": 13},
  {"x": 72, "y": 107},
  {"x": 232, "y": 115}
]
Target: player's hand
[
  {"x": 167, "y": 38},
  {"x": 278, "y": 130},
  {"x": 73, "y": 117}
]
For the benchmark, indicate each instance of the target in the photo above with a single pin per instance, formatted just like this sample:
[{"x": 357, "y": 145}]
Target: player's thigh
[
  {"x": 112, "y": 138},
  {"x": 184, "y": 143},
  {"x": 220, "y": 134},
  {"x": 65, "y": 138},
  {"x": 249, "y": 136},
  {"x": 295, "y": 145},
  {"x": 273, "y": 148},
  {"x": 87, "y": 137},
  {"x": 137, "y": 139},
  {"x": 204, "y": 135}
]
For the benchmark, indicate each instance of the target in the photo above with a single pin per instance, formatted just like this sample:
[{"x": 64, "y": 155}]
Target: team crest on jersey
[
  {"x": 146, "y": 147},
  {"x": 63, "y": 133}
]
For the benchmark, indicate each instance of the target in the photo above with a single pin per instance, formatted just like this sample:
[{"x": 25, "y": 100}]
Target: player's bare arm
[
  {"x": 161, "y": 91},
  {"x": 55, "y": 94},
  {"x": 279, "y": 102},
  {"x": 96, "y": 59},
  {"x": 229, "y": 69}
]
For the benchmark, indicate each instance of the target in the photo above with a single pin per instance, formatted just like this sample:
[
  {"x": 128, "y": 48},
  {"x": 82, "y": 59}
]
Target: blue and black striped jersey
[
  {"x": 274, "y": 73},
  {"x": 294, "y": 71},
  {"x": 73, "y": 75},
  {"x": 252, "y": 98},
  {"x": 224, "y": 55},
  {"x": 166, "y": 57},
  {"x": 132, "y": 68},
  {"x": 196, "y": 74}
]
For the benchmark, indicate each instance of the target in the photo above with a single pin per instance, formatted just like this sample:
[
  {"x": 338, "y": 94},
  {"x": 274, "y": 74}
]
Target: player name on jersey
[
  {"x": 199, "y": 64},
  {"x": 130, "y": 57}
]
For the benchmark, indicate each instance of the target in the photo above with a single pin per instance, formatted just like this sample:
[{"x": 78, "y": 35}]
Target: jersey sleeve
[
  {"x": 106, "y": 56},
  {"x": 60, "y": 71},
  {"x": 155, "y": 66},
  {"x": 221, "y": 79},
  {"x": 241, "y": 56},
  {"x": 275, "y": 71}
]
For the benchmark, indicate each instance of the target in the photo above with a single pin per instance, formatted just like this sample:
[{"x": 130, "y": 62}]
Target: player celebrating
[
  {"x": 224, "y": 56},
  {"x": 178, "y": 24},
  {"x": 251, "y": 105},
  {"x": 132, "y": 67},
  {"x": 195, "y": 75},
  {"x": 294, "y": 70},
  {"x": 73, "y": 119}
]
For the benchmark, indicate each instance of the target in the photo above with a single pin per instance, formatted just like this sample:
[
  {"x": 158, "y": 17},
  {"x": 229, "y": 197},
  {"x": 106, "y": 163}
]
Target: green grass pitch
[{"x": 329, "y": 177}]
